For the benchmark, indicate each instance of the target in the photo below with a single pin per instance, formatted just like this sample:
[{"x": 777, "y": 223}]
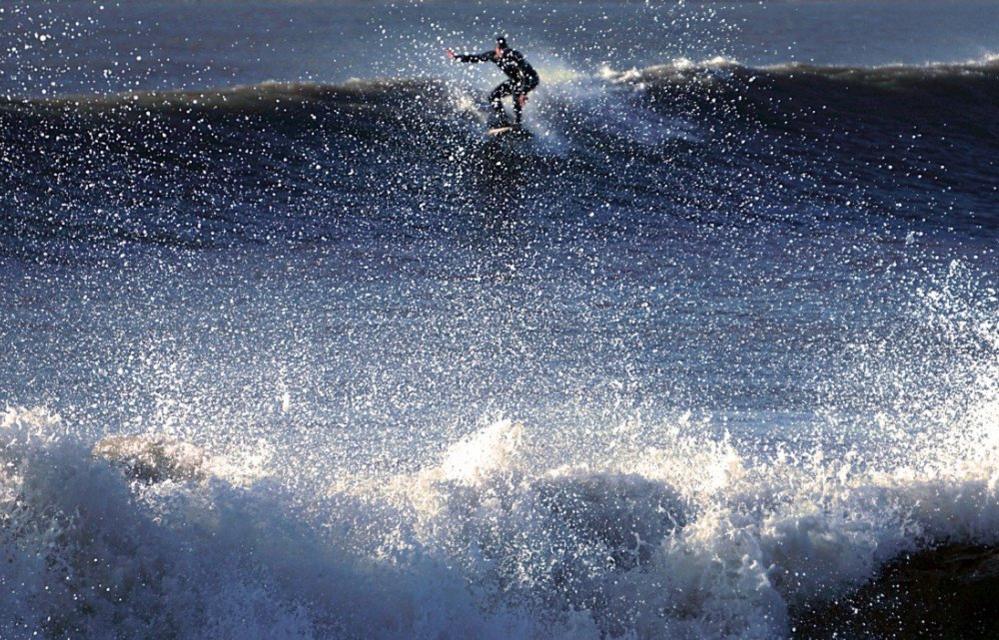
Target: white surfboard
[
  {"x": 507, "y": 130},
  {"x": 495, "y": 131}
]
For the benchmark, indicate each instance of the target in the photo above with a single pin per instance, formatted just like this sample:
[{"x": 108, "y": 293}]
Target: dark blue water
[{"x": 706, "y": 351}]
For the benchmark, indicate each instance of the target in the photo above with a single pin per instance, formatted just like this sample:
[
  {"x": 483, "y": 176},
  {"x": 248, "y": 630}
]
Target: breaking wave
[{"x": 693, "y": 539}]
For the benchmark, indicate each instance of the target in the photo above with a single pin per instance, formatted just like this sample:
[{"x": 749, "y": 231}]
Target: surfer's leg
[
  {"x": 518, "y": 107},
  {"x": 496, "y": 99},
  {"x": 520, "y": 97}
]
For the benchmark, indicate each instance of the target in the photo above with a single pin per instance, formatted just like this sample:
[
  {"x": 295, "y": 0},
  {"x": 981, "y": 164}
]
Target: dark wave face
[{"x": 710, "y": 353}]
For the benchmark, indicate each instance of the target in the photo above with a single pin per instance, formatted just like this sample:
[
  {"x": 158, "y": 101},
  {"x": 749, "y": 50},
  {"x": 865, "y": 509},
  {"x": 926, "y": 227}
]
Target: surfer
[{"x": 522, "y": 78}]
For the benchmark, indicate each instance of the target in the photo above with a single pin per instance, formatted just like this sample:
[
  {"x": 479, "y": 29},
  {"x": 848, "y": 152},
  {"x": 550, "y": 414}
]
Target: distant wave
[{"x": 973, "y": 75}]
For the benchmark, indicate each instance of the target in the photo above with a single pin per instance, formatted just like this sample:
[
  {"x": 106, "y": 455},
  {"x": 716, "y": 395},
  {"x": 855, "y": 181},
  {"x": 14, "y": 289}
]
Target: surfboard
[{"x": 507, "y": 131}]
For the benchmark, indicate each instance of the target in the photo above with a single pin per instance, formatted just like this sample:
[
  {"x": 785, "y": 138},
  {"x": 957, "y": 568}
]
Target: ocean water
[{"x": 292, "y": 350}]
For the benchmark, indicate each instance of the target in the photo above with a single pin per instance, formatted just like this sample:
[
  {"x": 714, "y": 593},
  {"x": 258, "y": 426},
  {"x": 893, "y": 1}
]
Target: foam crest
[
  {"x": 90, "y": 553},
  {"x": 712, "y": 541}
]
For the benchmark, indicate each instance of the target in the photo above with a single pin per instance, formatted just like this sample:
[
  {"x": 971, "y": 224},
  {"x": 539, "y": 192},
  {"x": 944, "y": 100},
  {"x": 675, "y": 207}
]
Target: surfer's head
[{"x": 501, "y": 45}]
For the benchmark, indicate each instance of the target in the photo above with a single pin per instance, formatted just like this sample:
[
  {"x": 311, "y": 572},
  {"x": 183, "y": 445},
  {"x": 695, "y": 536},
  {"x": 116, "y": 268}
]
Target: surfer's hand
[
  {"x": 522, "y": 99},
  {"x": 450, "y": 54}
]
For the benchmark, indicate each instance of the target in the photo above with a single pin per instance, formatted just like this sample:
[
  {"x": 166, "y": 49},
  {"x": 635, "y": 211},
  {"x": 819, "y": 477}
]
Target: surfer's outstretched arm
[{"x": 472, "y": 57}]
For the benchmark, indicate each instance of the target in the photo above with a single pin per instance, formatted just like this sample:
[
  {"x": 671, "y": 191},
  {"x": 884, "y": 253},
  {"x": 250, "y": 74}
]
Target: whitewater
[{"x": 290, "y": 349}]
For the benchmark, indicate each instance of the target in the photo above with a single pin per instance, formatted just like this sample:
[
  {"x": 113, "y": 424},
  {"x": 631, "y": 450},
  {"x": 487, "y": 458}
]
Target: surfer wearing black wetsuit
[{"x": 522, "y": 77}]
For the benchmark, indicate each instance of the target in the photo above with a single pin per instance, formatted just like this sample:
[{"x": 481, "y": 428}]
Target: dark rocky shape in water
[
  {"x": 948, "y": 592},
  {"x": 153, "y": 457}
]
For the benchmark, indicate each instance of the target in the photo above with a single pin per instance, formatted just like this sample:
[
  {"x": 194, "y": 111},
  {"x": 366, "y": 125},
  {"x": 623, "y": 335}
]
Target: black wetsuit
[{"x": 522, "y": 79}]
